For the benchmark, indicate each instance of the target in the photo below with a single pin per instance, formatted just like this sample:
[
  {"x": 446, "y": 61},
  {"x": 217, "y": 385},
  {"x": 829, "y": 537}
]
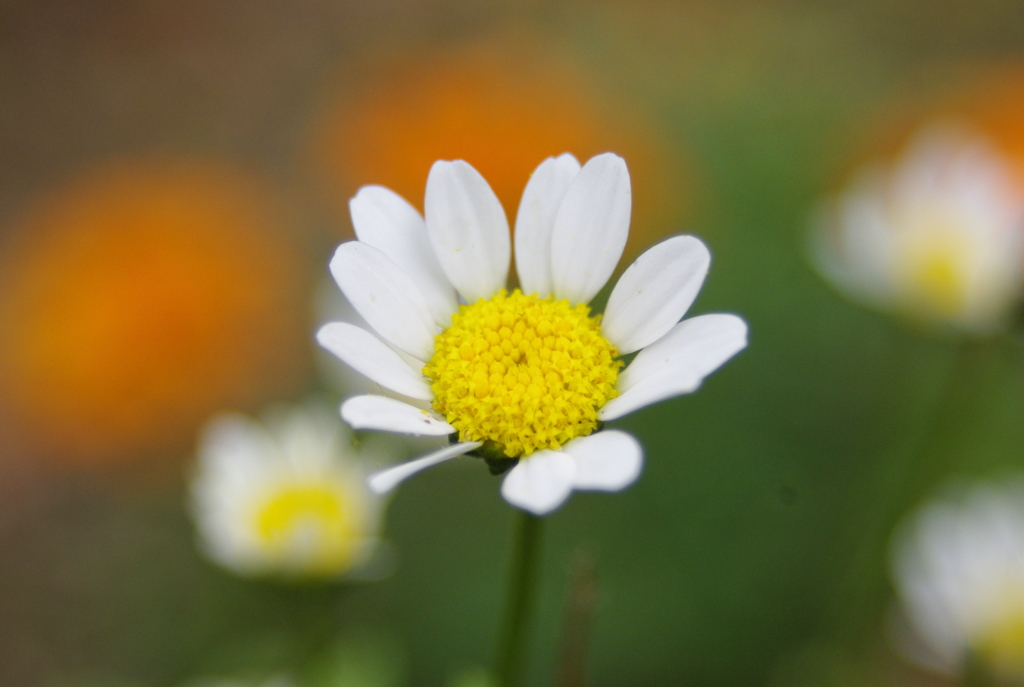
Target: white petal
[
  {"x": 607, "y": 461},
  {"x": 385, "y": 297},
  {"x": 536, "y": 220},
  {"x": 540, "y": 482},
  {"x": 391, "y": 415},
  {"x": 370, "y": 356},
  {"x": 384, "y": 220},
  {"x": 655, "y": 292},
  {"x": 386, "y": 480},
  {"x": 468, "y": 229},
  {"x": 591, "y": 229},
  {"x": 677, "y": 363},
  {"x": 236, "y": 444}
]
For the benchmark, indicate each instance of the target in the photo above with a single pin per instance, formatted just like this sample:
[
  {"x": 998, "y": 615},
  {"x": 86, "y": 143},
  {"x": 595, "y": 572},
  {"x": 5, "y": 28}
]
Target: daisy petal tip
[
  {"x": 535, "y": 219},
  {"x": 384, "y": 481},
  {"x": 385, "y": 296},
  {"x": 534, "y": 506},
  {"x": 677, "y": 363},
  {"x": 655, "y": 292},
  {"x": 371, "y": 192},
  {"x": 735, "y": 332},
  {"x": 467, "y": 228},
  {"x": 324, "y": 333},
  {"x": 540, "y": 511},
  {"x": 696, "y": 248},
  {"x": 591, "y": 228},
  {"x": 540, "y": 483},
  {"x": 439, "y": 167},
  {"x": 391, "y": 415},
  {"x": 338, "y": 260},
  {"x": 371, "y": 357},
  {"x": 381, "y": 484},
  {"x": 608, "y": 158},
  {"x": 607, "y": 461}
]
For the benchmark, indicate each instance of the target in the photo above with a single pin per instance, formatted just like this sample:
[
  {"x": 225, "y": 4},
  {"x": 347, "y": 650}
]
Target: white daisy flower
[
  {"x": 287, "y": 497},
  {"x": 527, "y": 377},
  {"x": 958, "y": 566},
  {"x": 937, "y": 236}
]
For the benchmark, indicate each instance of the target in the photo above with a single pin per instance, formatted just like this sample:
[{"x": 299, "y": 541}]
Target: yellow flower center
[
  {"x": 314, "y": 525},
  {"x": 523, "y": 372},
  {"x": 938, "y": 269},
  {"x": 941, "y": 282}
]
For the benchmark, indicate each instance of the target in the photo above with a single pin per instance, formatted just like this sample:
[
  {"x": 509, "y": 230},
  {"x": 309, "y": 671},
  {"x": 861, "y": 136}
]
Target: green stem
[
  {"x": 521, "y": 587},
  {"x": 928, "y": 453},
  {"x": 896, "y": 486}
]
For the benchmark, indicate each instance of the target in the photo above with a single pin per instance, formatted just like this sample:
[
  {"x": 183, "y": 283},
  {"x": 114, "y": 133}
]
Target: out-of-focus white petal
[
  {"x": 677, "y": 363},
  {"x": 384, "y": 220},
  {"x": 232, "y": 441},
  {"x": 607, "y": 461},
  {"x": 655, "y": 292},
  {"x": 310, "y": 437},
  {"x": 536, "y": 220},
  {"x": 468, "y": 229},
  {"x": 370, "y": 356},
  {"x": 386, "y": 480},
  {"x": 391, "y": 415},
  {"x": 591, "y": 228},
  {"x": 385, "y": 297},
  {"x": 540, "y": 482},
  {"x": 958, "y": 565},
  {"x": 861, "y": 260}
]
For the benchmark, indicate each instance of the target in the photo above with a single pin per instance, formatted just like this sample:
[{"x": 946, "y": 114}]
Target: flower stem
[
  {"x": 521, "y": 586},
  {"x": 967, "y": 384}
]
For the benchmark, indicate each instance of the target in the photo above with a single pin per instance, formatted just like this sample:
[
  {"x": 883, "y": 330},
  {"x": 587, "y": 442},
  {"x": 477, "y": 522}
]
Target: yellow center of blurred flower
[
  {"x": 937, "y": 272},
  {"x": 313, "y": 522},
  {"x": 523, "y": 372}
]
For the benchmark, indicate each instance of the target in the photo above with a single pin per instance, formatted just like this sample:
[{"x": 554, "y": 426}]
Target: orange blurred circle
[
  {"x": 995, "y": 104},
  {"x": 503, "y": 108},
  {"x": 139, "y": 299},
  {"x": 988, "y": 98}
]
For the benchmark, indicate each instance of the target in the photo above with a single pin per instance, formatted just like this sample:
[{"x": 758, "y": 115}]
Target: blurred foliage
[
  {"x": 752, "y": 549},
  {"x": 360, "y": 660}
]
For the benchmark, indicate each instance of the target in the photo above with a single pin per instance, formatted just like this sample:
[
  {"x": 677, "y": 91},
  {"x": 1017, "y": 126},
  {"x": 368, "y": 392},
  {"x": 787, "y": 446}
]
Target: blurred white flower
[
  {"x": 525, "y": 379},
  {"x": 938, "y": 235},
  {"x": 958, "y": 566},
  {"x": 285, "y": 497}
]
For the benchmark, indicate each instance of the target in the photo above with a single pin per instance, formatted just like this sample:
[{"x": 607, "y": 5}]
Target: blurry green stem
[
  {"x": 969, "y": 379},
  {"x": 521, "y": 586}
]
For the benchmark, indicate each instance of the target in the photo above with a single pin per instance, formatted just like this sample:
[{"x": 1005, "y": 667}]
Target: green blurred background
[{"x": 752, "y": 549}]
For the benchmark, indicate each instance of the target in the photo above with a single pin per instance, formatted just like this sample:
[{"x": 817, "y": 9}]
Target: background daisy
[
  {"x": 284, "y": 498},
  {"x": 938, "y": 235},
  {"x": 958, "y": 565}
]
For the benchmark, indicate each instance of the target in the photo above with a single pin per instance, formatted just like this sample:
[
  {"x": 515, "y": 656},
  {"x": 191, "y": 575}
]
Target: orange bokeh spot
[
  {"x": 501, "y": 113},
  {"x": 996, "y": 106},
  {"x": 138, "y": 300},
  {"x": 989, "y": 100}
]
